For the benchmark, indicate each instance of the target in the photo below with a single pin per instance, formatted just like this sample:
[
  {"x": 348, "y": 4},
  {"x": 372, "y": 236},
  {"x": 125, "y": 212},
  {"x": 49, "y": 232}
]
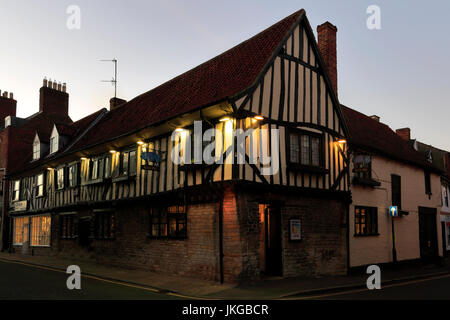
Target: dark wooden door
[
  {"x": 273, "y": 241},
  {"x": 84, "y": 232},
  {"x": 428, "y": 233},
  {"x": 444, "y": 240}
]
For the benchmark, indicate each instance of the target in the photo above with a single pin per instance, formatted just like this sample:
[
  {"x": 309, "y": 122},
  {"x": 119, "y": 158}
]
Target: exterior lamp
[
  {"x": 258, "y": 118},
  {"x": 140, "y": 142},
  {"x": 112, "y": 151},
  {"x": 225, "y": 119},
  {"x": 83, "y": 158},
  {"x": 179, "y": 130},
  {"x": 342, "y": 141}
]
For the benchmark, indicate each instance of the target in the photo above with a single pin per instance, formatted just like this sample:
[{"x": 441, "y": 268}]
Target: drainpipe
[
  {"x": 3, "y": 208},
  {"x": 221, "y": 239}
]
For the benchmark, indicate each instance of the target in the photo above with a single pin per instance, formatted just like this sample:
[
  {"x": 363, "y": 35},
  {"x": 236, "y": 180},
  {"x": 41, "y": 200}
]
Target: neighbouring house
[
  {"x": 441, "y": 159},
  {"x": 277, "y": 204},
  {"x": 386, "y": 171}
]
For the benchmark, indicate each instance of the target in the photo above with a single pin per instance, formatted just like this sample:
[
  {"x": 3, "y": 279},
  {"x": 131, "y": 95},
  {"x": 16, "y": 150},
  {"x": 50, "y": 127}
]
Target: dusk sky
[{"x": 400, "y": 73}]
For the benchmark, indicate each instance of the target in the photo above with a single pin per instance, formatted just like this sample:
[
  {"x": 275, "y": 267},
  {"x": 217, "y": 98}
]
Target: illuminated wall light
[
  {"x": 49, "y": 169},
  {"x": 179, "y": 130},
  {"x": 225, "y": 119},
  {"x": 140, "y": 142},
  {"x": 342, "y": 141},
  {"x": 258, "y": 118},
  {"x": 83, "y": 158},
  {"x": 112, "y": 151}
]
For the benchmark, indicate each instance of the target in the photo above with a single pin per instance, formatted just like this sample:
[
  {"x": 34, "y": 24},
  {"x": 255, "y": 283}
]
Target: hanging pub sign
[
  {"x": 151, "y": 160},
  {"x": 295, "y": 230}
]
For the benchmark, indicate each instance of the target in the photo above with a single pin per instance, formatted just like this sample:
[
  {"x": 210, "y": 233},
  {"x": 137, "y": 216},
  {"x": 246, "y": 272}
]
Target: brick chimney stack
[
  {"x": 404, "y": 133},
  {"x": 53, "y": 98},
  {"x": 327, "y": 47},
  {"x": 115, "y": 102},
  {"x": 8, "y": 105}
]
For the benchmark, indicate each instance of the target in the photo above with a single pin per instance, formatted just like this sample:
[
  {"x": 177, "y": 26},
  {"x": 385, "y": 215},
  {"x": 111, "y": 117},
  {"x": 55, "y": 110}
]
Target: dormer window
[
  {"x": 36, "y": 151},
  {"x": 53, "y": 144}
]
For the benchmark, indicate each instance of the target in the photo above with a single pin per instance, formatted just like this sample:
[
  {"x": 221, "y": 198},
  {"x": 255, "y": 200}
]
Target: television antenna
[{"x": 114, "y": 79}]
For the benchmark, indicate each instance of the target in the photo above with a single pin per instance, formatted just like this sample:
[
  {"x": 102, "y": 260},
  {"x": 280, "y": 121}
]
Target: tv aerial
[{"x": 114, "y": 79}]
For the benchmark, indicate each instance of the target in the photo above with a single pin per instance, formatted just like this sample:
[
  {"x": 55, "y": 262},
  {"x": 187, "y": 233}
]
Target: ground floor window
[
  {"x": 366, "y": 221},
  {"x": 67, "y": 226},
  {"x": 104, "y": 225},
  {"x": 40, "y": 231},
  {"x": 20, "y": 235},
  {"x": 168, "y": 222}
]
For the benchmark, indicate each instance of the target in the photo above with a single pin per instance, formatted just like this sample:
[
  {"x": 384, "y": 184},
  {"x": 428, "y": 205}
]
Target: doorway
[
  {"x": 428, "y": 233},
  {"x": 84, "y": 231},
  {"x": 270, "y": 240}
]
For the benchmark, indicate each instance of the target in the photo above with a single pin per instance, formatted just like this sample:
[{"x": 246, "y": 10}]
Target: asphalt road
[
  {"x": 19, "y": 281},
  {"x": 437, "y": 288}
]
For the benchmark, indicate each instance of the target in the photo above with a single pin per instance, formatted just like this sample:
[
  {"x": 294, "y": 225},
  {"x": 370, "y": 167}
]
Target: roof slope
[
  {"x": 371, "y": 135},
  {"x": 22, "y": 152},
  {"x": 213, "y": 81}
]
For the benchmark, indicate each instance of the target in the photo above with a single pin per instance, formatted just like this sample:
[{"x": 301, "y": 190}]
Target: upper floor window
[
  {"x": 362, "y": 166},
  {"x": 445, "y": 195},
  {"x": 73, "y": 175},
  {"x": 396, "y": 185},
  {"x": 128, "y": 163},
  {"x": 53, "y": 144},
  {"x": 40, "y": 185},
  {"x": 305, "y": 148},
  {"x": 36, "y": 150},
  {"x": 427, "y": 183},
  {"x": 108, "y": 166},
  {"x": 60, "y": 178},
  {"x": 16, "y": 190},
  {"x": 94, "y": 169}
]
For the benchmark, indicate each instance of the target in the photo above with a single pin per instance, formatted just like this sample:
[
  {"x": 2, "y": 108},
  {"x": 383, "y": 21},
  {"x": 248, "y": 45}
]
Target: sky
[{"x": 399, "y": 72}]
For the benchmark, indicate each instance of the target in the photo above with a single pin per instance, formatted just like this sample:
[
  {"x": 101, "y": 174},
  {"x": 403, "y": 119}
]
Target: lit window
[
  {"x": 36, "y": 150},
  {"x": 16, "y": 190},
  {"x": 366, "y": 221},
  {"x": 53, "y": 144},
  {"x": 40, "y": 231},
  {"x": 168, "y": 222},
  {"x": 40, "y": 185},
  {"x": 20, "y": 230},
  {"x": 60, "y": 178},
  {"x": 73, "y": 175},
  {"x": 128, "y": 163}
]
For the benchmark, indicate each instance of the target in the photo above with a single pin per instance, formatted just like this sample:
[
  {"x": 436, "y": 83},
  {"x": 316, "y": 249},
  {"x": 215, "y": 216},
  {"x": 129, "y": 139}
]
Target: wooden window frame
[
  {"x": 67, "y": 226},
  {"x": 38, "y": 228},
  {"x": 38, "y": 186},
  {"x": 57, "y": 172},
  {"x": 320, "y": 169},
  {"x": 104, "y": 219},
  {"x": 129, "y": 166},
  {"x": 427, "y": 175},
  {"x": 36, "y": 151},
  {"x": 161, "y": 218},
  {"x": 370, "y": 221},
  {"x": 15, "y": 196}
]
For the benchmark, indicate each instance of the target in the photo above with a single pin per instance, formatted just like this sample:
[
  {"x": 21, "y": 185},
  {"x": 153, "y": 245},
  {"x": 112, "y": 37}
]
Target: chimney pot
[
  {"x": 64, "y": 87},
  {"x": 327, "y": 46},
  {"x": 44, "y": 82},
  {"x": 50, "y": 83},
  {"x": 404, "y": 133},
  {"x": 11, "y": 95},
  {"x": 59, "y": 86},
  {"x": 375, "y": 117}
]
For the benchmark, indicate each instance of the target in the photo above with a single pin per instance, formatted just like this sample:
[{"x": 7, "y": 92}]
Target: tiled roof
[
  {"x": 213, "y": 81},
  {"x": 371, "y": 135},
  {"x": 22, "y": 152}
]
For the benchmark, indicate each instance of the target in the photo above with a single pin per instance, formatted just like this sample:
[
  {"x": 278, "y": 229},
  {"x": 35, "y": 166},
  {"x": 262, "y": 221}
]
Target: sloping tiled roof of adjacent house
[
  {"x": 211, "y": 82},
  {"x": 371, "y": 135},
  {"x": 22, "y": 152}
]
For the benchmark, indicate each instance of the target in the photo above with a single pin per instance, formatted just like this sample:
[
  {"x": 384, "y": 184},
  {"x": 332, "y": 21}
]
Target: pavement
[{"x": 264, "y": 289}]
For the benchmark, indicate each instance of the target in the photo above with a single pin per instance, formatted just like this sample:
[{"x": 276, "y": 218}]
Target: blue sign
[
  {"x": 150, "y": 157},
  {"x": 393, "y": 211}
]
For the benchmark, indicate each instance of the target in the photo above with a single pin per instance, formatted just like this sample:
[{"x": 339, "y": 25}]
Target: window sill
[
  {"x": 194, "y": 166},
  {"x": 366, "y": 182},
  {"x": 89, "y": 182},
  {"x": 166, "y": 238},
  {"x": 366, "y": 235},
  {"x": 307, "y": 169},
  {"x": 123, "y": 178}
]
